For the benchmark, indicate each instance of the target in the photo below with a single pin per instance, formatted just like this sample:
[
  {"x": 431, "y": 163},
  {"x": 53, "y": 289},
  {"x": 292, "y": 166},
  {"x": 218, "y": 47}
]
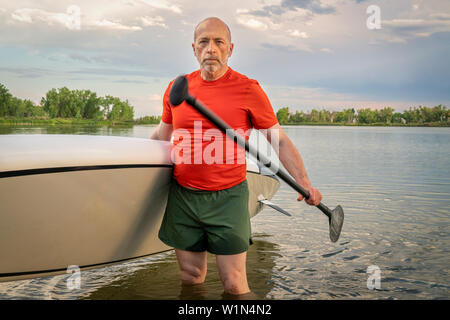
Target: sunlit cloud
[
  {"x": 326, "y": 50},
  {"x": 28, "y": 15},
  {"x": 110, "y": 25},
  {"x": 157, "y": 21},
  {"x": 161, "y": 4},
  {"x": 298, "y": 34}
]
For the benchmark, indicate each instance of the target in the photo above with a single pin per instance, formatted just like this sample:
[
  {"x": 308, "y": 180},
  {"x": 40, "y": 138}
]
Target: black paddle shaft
[{"x": 225, "y": 128}]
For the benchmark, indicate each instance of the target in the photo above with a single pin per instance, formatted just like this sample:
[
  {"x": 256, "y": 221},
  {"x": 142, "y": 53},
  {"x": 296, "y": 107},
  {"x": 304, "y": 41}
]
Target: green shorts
[{"x": 213, "y": 221}]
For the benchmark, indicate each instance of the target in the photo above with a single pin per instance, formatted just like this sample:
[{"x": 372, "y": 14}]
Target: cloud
[
  {"x": 112, "y": 72},
  {"x": 28, "y": 72},
  {"x": 284, "y": 48},
  {"x": 298, "y": 34},
  {"x": 405, "y": 29},
  {"x": 161, "y": 4},
  {"x": 70, "y": 20},
  {"x": 311, "y": 6},
  {"x": 157, "y": 21},
  {"x": 79, "y": 57},
  {"x": 315, "y": 6},
  {"x": 326, "y": 50},
  {"x": 109, "y": 72},
  {"x": 440, "y": 16},
  {"x": 28, "y": 15},
  {"x": 252, "y": 23},
  {"x": 110, "y": 25},
  {"x": 288, "y": 23}
]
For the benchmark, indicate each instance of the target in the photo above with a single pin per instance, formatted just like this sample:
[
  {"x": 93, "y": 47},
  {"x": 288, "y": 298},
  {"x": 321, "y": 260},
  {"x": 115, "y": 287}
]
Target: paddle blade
[
  {"x": 336, "y": 221},
  {"x": 179, "y": 91}
]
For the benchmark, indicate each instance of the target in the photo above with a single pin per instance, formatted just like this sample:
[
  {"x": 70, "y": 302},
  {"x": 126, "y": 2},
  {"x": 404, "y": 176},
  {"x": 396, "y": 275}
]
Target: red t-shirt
[{"x": 204, "y": 157}]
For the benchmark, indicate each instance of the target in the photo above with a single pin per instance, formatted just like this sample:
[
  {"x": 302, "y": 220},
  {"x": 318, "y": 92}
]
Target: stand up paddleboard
[{"x": 88, "y": 201}]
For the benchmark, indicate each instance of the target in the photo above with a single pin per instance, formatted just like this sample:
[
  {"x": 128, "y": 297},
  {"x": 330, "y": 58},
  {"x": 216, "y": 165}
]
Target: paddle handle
[{"x": 225, "y": 128}]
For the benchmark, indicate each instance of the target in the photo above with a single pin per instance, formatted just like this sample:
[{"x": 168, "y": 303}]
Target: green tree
[
  {"x": 397, "y": 117},
  {"x": 314, "y": 116},
  {"x": 385, "y": 115},
  {"x": 16, "y": 108},
  {"x": 283, "y": 115},
  {"x": 5, "y": 100},
  {"x": 50, "y": 103},
  {"x": 367, "y": 116},
  {"x": 120, "y": 110},
  {"x": 440, "y": 113},
  {"x": 297, "y": 117},
  {"x": 324, "y": 115},
  {"x": 90, "y": 105}
]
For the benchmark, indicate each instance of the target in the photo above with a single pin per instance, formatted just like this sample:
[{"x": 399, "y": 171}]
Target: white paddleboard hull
[{"x": 87, "y": 201}]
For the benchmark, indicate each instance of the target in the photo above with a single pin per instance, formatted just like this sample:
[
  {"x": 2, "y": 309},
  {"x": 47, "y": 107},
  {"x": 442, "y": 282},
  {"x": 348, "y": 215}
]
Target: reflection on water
[
  {"x": 67, "y": 129},
  {"x": 394, "y": 186}
]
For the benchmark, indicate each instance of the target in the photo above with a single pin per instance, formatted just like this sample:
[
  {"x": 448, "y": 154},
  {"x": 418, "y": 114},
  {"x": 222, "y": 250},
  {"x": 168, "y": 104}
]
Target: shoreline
[
  {"x": 427, "y": 125},
  {"x": 112, "y": 123},
  {"x": 69, "y": 122}
]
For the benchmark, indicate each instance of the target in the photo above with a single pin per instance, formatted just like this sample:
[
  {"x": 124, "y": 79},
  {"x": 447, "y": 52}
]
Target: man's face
[{"x": 212, "y": 46}]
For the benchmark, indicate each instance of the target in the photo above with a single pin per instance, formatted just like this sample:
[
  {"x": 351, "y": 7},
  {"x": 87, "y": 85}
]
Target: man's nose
[{"x": 211, "y": 47}]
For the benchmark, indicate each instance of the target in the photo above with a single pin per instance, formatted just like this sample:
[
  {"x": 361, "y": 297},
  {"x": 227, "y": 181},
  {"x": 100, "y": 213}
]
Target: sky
[{"x": 306, "y": 54}]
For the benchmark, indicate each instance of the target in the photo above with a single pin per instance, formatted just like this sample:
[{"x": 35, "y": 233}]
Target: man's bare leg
[
  {"x": 192, "y": 266},
  {"x": 233, "y": 273}
]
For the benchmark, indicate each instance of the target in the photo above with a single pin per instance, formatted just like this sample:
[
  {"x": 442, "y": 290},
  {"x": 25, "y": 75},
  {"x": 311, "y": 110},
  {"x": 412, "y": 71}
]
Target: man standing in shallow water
[{"x": 207, "y": 209}]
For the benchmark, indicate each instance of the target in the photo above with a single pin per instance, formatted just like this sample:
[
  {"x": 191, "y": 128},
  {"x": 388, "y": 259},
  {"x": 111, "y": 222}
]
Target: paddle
[{"x": 179, "y": 93}]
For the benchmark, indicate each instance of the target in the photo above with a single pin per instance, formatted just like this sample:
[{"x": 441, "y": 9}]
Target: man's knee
[
  {"x": 235, "y": 282},
  {"x": 192, "y": 266},
  {"x": 192, "y": 275}
]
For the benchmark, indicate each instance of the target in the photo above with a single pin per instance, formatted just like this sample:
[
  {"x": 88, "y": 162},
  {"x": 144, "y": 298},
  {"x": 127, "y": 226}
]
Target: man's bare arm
[
  {"x": 163, "y": 132},
  {"x": 292, "y": 161}
]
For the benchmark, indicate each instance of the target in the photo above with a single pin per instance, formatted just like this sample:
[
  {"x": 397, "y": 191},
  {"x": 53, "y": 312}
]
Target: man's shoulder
[{"x": 242, "y": 77}]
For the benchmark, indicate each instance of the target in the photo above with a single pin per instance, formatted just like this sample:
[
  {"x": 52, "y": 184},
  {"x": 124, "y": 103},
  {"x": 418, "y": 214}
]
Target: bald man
[{"x": 207, "y": 209}]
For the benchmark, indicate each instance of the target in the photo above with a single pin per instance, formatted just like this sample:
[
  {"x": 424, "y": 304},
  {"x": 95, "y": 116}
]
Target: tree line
[
  {"x": 438, "y": 115},
  {"x": 85, "y": 104},
  {"x": 66, "y": 103}
]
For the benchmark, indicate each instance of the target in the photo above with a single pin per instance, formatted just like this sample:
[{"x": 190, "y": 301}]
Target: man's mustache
[{"x": 211, "y": 58}]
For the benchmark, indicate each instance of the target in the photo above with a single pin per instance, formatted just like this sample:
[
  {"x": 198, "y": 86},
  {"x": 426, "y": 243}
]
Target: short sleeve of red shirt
[
  {"x": 259, "y": 108},
  {"x": 166, "y": 116}
]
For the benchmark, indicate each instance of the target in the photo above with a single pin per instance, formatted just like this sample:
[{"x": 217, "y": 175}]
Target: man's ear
[
  {"x": 193, "y": 48},
  {"x": 231, "y": 50}
]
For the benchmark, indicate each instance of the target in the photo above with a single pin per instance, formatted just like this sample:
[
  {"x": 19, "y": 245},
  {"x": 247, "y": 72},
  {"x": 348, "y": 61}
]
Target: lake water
[{"x": 394, "y": 186}]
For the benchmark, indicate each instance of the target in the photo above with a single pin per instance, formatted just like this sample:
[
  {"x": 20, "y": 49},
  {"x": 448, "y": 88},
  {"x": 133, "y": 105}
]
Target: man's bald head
[{"x": 212, "y": 22}]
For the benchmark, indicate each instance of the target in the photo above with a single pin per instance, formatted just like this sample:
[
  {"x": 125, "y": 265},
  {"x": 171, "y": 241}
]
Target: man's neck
[{"x": 211, "y": 76}]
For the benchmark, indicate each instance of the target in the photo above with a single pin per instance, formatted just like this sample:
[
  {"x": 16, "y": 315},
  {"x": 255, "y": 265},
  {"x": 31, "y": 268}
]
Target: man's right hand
[{"x": 315, "y": 197}]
